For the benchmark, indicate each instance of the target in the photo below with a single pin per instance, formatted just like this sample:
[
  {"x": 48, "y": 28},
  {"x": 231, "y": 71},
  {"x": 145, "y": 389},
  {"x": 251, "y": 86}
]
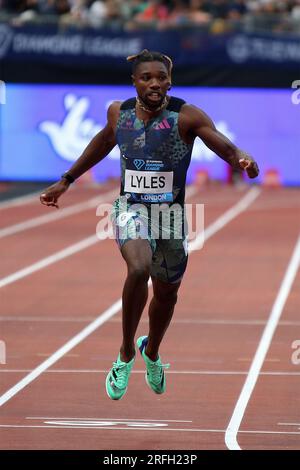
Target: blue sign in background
[
  {"x": 186, "y": 46},
  {"x": 44, "y": 128}
]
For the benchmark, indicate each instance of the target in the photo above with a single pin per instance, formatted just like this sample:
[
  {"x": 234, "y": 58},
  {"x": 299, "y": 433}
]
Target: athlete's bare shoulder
[
  {"x": 114, "y": 109},
  {"x": 113, "y": 113},
  {"x": 192, "y": 113},
  {"x": 192, "y": 118}
]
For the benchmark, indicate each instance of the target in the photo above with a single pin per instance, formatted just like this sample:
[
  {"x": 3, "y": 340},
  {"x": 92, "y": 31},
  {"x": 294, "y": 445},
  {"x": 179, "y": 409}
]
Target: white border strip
[
  {"x": 261, "y": 352},
  {"x": 236, "y": 209}
]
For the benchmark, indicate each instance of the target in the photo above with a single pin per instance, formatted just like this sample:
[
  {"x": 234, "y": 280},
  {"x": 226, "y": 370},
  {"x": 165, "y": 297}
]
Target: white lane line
[
  {"x": 58, "y": 256},
  {"x": 179, "y": 321},
  {"x": 61, "y": 351},
  {"x": 175, "y": 372},
  {"x": 111, "y": 419},
  {"x": 58, "y": 214},
  {"x": 104, "y": 371},
  {"x": 261, "y": 352},
  {"x": 227, "y": 217},
  {"x": 43, "y": 263},
  {"x": 20, "y": 200},
  {"x": 114, "y": 428},
  {"x": 140, "y": 429},
  {"x": 288, "y": 424},
  {"x": 249, "y": 198}
]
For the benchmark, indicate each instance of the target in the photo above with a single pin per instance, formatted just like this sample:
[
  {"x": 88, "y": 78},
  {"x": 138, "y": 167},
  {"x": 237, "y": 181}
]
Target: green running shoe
[
  {"x": 155, "y": 375},
  {"x": 117, "y": 378}
]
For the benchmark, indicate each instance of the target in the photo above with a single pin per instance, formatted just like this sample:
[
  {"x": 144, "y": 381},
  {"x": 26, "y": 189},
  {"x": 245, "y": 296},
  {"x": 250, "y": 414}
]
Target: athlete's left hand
[{"x": 250, "y": 166}]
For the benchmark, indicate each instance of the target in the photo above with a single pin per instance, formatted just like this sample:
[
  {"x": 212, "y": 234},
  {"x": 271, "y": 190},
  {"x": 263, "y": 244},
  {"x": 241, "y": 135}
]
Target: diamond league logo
[
  {"x": 6, "y": 36},
  {"x": 238, "y": 49},
  {"x": 138, "y": 163}
]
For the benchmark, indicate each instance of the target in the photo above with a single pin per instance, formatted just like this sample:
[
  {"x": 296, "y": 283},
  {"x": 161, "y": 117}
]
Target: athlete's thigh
[
  {"x": 131, "y": 231},
  {"x": 137, "y": 253}
]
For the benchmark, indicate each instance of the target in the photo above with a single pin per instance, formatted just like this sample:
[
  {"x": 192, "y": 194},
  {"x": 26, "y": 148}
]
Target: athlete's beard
[{"x": 152, "y": 108}]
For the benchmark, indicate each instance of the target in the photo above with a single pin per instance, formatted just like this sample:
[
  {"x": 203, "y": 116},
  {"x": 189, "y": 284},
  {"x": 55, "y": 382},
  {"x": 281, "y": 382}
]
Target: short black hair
[{"x": 150, "y": 56}]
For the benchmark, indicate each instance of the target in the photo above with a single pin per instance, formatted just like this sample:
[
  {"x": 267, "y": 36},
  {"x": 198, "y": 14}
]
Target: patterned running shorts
[{"x": 167, "y": 235}]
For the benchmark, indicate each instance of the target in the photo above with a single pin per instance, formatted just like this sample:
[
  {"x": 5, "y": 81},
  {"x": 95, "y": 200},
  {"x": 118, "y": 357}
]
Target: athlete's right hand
[{"x": 50, "y": 195}]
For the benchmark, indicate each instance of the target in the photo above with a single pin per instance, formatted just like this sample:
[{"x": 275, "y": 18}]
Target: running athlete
[{"x": 155, "y": 133}]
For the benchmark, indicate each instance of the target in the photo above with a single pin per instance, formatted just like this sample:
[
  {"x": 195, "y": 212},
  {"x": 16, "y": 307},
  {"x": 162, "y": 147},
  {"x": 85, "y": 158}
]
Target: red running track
[{"x": 225, "y": 304}]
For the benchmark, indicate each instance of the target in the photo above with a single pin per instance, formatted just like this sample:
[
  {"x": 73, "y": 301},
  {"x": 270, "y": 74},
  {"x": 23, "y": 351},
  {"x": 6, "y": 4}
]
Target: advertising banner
[{"x": 45, "y": 128}]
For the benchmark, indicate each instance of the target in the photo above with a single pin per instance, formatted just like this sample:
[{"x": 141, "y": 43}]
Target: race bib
[{"x": 148, "y": 182}]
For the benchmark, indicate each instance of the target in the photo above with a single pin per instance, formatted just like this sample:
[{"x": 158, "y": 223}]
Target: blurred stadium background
[
  {"x": 63, "y": 61},
  {"x": 61, "y": 64}
]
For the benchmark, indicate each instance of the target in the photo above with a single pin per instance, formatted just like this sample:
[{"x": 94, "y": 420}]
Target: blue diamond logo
[{"x": 138, "y": 163}]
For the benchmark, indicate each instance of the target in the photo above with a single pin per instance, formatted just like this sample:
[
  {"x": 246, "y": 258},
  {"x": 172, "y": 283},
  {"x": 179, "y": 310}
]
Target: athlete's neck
[{"x": 148, "y": 110}]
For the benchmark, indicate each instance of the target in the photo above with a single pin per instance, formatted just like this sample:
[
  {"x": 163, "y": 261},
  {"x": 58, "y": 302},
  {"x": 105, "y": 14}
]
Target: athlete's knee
[{"x": 139, "y": 272}]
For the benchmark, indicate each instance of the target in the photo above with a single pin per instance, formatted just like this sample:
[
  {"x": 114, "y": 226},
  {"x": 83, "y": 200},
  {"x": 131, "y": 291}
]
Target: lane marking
[
  {"x": 262, "y": 350},
  {"x": 243, "y": 204},
  {"x": 23, "y": 200},
  {"x": 43, "y": 263},
  {"x": 227, "y": 217},
  {"x": 112, "y": 419},
  {"x": 176, "y": 372},
  {"x": 107, "y": 422},
  {"x": 288, "y": 424},
  {"x": 20, "y": 200},
  {"x": 114, "y": 428},
  {"x": 180, "y": 321},
  {"x": 140, "y": 429},
  {"x": 58, "y": 214},
  {"x": 112, "y": 310},
  {"x": 101, "y": 424},
  {"x": 58, "y": 256}
]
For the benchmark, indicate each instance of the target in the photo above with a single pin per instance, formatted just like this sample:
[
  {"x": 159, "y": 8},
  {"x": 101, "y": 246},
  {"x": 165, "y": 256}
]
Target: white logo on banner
[{"x": 70, "y": 138}]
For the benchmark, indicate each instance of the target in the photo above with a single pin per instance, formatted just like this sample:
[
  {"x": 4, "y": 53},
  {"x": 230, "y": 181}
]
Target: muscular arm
[
  {"x": 100, "y": 146},
  {"x": 97, "y": 149},
  {"x": 198, "y": 124}
]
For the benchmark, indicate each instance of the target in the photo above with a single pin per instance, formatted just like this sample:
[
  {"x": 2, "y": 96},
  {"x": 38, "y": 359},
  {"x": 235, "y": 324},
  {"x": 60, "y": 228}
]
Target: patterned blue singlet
[{"x": 154, "y": 164}]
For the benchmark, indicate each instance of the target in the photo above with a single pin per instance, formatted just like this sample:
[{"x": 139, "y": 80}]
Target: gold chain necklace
[{"x": 147, "y": 110}]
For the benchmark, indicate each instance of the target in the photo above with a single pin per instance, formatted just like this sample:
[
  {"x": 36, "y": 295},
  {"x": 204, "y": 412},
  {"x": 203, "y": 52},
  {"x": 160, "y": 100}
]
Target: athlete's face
[{"x": 152, "y": 81}]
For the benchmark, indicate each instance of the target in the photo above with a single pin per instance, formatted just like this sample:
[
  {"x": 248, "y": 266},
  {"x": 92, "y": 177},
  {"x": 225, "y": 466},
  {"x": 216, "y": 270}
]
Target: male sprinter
[{"x": 155, "y": 133}]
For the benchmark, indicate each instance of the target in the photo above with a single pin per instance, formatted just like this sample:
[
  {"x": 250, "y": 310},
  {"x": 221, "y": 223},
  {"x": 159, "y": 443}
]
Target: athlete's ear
[
  {"x": 133, "y": 79},
  {"x": 170, "y": 86}
]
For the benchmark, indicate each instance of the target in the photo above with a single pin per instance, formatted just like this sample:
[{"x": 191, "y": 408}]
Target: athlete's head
[{"x": 151, "y": 76}]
